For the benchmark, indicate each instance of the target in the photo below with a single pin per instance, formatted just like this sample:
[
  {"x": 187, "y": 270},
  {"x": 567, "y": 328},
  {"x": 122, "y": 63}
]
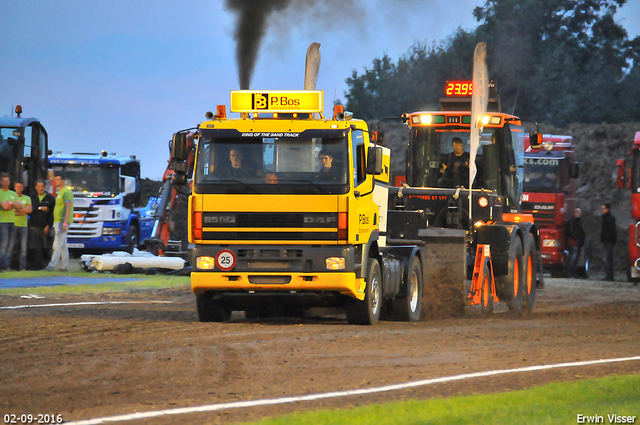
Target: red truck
[
  {"x": 549, "y": 195},
  {"x": 629, "y": 177}
]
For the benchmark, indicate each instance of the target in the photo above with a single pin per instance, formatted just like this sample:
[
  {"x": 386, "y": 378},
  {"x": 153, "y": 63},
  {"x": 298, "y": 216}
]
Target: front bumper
[
  {"x": 102, "y": 242},
  {"x": 344, "y": 283},
  {"x": 279, "y": 268}
]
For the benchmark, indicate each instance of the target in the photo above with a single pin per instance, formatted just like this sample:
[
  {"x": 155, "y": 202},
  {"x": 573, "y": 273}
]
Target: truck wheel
[
  {"x": 529, "y": 273},
  {"x": 509, "y": 286},
  {"x": 132, "y": 238},
  {"x": 486, "y": 299},
  {"x": 409, "y": 307},
  {"x": 210, "y": 310},
  {"x": 367, "y": 311}
]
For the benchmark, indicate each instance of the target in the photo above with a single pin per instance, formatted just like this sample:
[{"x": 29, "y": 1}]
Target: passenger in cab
[
  {"x": 328, "y": 172},
  {"x": 455, "y": 166}
]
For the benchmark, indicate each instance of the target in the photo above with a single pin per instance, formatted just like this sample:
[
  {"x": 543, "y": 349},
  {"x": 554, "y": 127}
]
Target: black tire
[
  {"x": 409, "y": 307},
  {"x": 486, "y": 298},
  {"x": 509, "y": 286},
  {"x": 212, "y": 310},
  {"x": 529, "y": 273},
  {"x": 132, "y": 238},
  {"x": 367, "y": 311}
]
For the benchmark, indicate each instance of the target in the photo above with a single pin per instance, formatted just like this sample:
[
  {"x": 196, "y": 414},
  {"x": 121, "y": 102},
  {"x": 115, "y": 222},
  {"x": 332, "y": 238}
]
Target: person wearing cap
[{"x": 455, "y": 167}]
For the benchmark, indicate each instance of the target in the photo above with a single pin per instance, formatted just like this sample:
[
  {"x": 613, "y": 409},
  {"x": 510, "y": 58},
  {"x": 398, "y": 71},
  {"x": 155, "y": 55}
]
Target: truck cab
[
  {"x": 23, "y": 150},
  {"x": 286, "y": 209},
  {"x": 549, "y": 194},
  {"x": 106, "y": 189}
]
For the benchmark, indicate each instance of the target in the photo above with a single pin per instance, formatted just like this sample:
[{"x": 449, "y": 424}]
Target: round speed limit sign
[{"x": 226, "y": 260}]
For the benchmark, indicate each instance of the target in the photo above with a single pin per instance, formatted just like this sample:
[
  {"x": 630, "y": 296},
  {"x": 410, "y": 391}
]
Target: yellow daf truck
[{"x": 287, "y": 211}]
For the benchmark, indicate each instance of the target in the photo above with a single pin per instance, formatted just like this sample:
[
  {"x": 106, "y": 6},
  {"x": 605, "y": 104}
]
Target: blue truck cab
[{"x": 106, "y": 215}]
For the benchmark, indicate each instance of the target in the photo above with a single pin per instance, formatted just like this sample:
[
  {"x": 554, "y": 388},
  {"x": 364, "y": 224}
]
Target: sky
[{"x": 123, "y": 76}]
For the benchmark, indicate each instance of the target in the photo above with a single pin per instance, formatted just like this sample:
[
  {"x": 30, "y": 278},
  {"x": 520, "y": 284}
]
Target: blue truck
[{"x": 107, "y": 215}]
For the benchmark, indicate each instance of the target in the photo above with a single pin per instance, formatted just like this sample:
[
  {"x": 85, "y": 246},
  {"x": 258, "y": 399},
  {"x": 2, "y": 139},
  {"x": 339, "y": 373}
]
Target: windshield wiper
[
  {"x": 238, "y": 181},
  {"x": 310, "y": 182}
]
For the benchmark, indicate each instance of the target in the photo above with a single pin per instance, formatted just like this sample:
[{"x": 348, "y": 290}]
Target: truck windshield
[
  {"x": 542, "y": 175},
  {"x": 281, "y": 165},
  {"x": 91, "y": 180},
  {"x": 440, "y": 158}
]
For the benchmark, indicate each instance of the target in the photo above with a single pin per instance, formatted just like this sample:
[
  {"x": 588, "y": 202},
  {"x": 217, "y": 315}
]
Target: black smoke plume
[{"x": 250, "y": 30}]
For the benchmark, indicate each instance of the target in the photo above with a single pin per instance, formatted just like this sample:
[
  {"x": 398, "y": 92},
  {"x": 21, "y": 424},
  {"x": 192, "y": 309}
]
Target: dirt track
[{"x": 94, "y": 361}]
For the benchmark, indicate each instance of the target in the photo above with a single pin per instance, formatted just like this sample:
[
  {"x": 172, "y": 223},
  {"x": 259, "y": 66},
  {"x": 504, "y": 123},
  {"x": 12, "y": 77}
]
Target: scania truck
[{"x": 107, "y": 215}]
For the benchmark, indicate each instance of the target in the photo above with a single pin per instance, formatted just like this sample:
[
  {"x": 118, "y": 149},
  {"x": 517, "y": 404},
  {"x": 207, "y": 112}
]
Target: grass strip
[
  {"x": 556, "y": 403},
  {"x": 142, "y": 282}
]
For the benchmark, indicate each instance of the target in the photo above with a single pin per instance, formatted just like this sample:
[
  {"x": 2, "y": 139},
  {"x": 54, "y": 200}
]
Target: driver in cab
[
  {"x": 455, "y": 166},
  {"x": 237, "y": 170}
]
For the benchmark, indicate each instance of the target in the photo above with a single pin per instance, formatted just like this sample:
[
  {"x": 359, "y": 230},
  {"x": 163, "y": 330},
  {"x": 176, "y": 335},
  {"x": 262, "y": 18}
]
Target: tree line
[{"x": 555, "y": 61}]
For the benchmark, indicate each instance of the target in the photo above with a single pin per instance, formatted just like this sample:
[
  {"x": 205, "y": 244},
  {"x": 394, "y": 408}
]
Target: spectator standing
[
  {"x": 40, "y": 225},
  {"x": 575, "y": 241},
  {"x": 8, "y": 200},
  {"x": 62, "y": 218},
  {"x": 608, "y": 238},
  {"x": 21, "y": 229}
]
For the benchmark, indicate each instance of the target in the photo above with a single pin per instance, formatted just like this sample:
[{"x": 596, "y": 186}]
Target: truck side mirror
[
  {"x": 378, "y": 137},
  {"x": 535, "y": 140},
  {"x": 374, "y": 161},
  {"x": 622, "y": 177},
  {"x": 574, "y": 170},
  {"x": 179, "y": 150},
  {"x": 129, "y": 185}
]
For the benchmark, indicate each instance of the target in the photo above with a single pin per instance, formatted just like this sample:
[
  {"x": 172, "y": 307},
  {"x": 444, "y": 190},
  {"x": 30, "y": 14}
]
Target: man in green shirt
[
  {"x": 8, "y": 203},
  {"x": 62, "y": 218},
  {"x": 20, "y": 230}
]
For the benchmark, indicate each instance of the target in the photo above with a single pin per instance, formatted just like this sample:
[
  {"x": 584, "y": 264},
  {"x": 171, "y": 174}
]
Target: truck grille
[
  {"x": 543, "y": 213},
  {"x": 250, "y": 226}
]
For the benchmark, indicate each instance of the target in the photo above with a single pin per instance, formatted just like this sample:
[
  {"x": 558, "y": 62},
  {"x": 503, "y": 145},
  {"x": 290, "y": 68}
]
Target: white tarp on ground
[{"x": 139, "y": 259}]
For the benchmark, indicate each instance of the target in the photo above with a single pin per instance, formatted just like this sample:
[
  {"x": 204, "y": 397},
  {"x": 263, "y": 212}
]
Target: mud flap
[{"x": 444, "y": 271}]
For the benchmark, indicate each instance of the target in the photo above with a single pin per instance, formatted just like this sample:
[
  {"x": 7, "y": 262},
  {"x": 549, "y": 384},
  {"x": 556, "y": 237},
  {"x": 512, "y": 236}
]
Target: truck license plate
[{"x": 75, "y": 245}]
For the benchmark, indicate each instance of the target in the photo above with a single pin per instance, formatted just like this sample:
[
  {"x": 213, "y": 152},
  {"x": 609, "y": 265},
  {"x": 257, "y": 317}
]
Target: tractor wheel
[
  {"x": 212, "y": 310},
  {"x": 409, "y": 307},
  {"x": 367, "y": 311},
  {"x": 486, "y": 299},
  {"x": 509, "y": 286},
  {"x": 529, "y": 273}
]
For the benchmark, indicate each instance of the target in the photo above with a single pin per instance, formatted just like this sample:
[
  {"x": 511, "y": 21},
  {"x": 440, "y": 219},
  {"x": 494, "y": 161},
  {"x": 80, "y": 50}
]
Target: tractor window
[{"x": 440, "y": 158}]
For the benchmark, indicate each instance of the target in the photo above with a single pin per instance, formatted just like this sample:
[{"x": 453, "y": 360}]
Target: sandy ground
[{"x": 100, "y": 360}]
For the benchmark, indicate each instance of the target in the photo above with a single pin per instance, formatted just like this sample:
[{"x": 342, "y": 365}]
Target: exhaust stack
[{"x": 312, "y": 66}]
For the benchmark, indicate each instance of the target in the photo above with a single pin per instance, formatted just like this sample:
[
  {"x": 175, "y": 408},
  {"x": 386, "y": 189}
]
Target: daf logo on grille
[{"x": 319, "y": 220}]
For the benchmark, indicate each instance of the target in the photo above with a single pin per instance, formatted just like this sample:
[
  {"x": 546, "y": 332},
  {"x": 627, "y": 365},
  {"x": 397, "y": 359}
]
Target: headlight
[
  {"x": 336, "y": 263},
  {"x": 205, "y": 263},
  {"x": 110, "y": 230},
  {"x": 551, "y": 243}
]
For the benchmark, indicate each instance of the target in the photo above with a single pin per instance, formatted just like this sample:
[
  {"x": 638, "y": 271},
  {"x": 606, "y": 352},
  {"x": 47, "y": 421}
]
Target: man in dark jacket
[
  {"x": 608, "y": 239},
  {"x": 40, "y": 223},
  {"x": 575, "y": 241}
]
